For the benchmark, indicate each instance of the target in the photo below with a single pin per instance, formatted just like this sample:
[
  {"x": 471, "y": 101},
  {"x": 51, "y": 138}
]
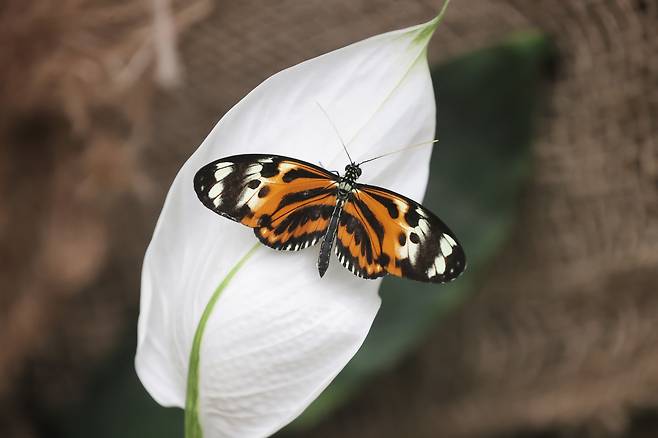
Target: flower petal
[{"x": 279, "y": 333}]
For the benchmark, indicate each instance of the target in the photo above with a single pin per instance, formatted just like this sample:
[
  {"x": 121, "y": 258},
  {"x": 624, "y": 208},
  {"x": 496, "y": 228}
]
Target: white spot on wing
[
  {"x": 223, "y": 172},
  {"x": 437, "y": 268},
  {"x": 450, "y": 240},
  {"x": 423, "y": 225},
  {"x": 403, "y": 207},
  {"x": 446, "y": 249},
  {"x": 440, "y": 264},
  {"x": 253, "y": 168},
  {"x": 413, "y": 250},
  {"x": 216, "y": 190},
  {"x": 285, "y": 166},
  {"x": 248, "y": 196}
]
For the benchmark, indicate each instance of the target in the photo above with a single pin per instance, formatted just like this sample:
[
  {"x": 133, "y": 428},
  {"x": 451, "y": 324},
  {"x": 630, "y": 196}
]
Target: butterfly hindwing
[
  {"x": 383, "y": 232},
  {"x": 286, "y": 201}
]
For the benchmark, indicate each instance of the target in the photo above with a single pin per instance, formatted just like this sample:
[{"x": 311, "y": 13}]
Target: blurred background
[{"x": 547, "y": 169}]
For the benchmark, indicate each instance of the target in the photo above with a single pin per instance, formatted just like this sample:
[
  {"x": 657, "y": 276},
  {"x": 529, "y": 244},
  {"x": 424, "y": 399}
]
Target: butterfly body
[
  {"x": 345, "y": 188},
  {"x": 292, "y": 204}
]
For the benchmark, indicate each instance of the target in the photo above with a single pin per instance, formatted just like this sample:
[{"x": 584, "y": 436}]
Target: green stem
[{"x": 192, "y": 424}]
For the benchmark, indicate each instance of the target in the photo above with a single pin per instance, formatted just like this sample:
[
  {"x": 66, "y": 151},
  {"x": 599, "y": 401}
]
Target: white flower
[{"x": 279, "y": 333}]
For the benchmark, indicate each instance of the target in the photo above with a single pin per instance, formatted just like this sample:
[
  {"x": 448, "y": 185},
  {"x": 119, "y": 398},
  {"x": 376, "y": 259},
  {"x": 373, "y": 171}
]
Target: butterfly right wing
[
  {"x": 382, "y": 232},
  {"x": 287, "y": 202}
]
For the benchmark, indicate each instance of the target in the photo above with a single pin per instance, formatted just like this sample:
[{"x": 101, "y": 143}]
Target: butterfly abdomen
[{"x": 329, "y": 238}]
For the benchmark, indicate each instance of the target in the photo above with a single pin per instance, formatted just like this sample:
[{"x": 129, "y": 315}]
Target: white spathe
[{"x": 279, "y": 333}]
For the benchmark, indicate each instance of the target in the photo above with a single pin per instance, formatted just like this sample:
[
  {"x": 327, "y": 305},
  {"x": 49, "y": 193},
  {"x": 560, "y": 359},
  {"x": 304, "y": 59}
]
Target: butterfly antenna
[
  {"x": 336, "y": 131},
  {"x": 425, "y": 143}
]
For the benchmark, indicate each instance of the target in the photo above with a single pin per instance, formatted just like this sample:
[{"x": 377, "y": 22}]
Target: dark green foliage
[{"x": 117, "y": 405}]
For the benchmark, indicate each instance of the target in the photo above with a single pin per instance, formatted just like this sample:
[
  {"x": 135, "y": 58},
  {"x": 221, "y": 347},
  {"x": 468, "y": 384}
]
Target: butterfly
[{"x": 292, "y": 204}]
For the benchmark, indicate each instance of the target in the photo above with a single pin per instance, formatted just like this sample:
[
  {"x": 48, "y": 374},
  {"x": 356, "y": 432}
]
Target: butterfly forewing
[
  {"x": 287, "y": 202},
  {"x": 383, "y": 232}
]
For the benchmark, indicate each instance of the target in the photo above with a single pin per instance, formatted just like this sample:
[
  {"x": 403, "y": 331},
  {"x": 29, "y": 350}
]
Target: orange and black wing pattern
[
  {"x": 381, "y": 232},
  {"x": 287, "y": 202}
]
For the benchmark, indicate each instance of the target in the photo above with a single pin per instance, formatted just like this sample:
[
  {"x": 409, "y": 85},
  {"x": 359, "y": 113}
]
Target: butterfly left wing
[
  {"x": 382, "y": 232},
  {"x": 287, "y": 202}
]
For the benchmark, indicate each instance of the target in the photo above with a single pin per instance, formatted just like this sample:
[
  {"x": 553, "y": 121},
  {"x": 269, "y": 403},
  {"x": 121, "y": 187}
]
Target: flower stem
[{"x": 192, "y": 423}]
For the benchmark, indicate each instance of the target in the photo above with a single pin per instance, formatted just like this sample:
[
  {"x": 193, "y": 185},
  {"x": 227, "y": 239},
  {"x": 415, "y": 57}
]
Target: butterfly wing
[
  {"x": 287, "y": 202},
  {"x": 382, "y": 232}
]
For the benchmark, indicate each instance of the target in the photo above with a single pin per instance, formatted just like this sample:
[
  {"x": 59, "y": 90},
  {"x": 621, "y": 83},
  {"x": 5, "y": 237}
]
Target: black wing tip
[
  {"x": 457, "y": 266},
  {"x": 201, "y": 182},
  {"x": 200, "y": 179}
]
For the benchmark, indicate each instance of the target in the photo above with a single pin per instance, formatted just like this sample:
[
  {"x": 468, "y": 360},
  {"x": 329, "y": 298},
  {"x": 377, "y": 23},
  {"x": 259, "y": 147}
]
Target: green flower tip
[{"x": 427, "y": 30}]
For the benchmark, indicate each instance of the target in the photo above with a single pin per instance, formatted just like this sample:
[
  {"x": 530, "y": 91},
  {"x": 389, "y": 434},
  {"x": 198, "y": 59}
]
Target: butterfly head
[{"x": 352, "y": 171}]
